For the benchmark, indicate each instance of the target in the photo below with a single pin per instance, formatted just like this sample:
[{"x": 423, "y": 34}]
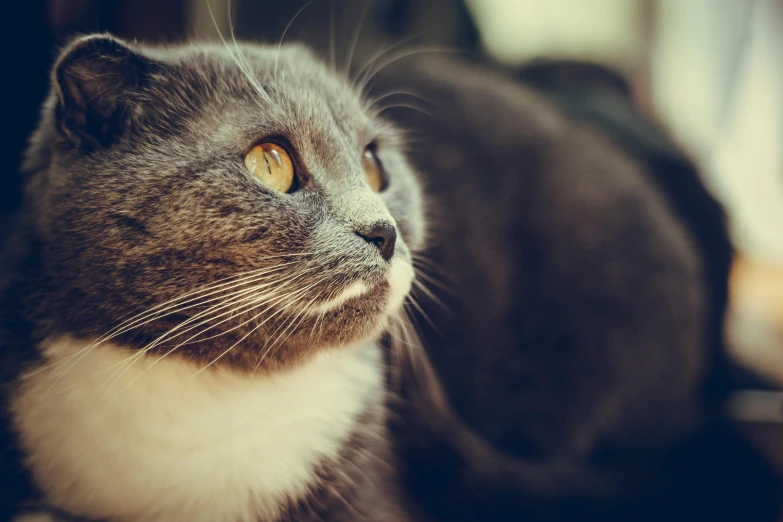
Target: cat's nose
[{"x": 383, "y": 236}]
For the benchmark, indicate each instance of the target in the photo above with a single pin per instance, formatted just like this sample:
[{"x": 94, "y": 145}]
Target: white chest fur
[{"x": 160, "y": 446}]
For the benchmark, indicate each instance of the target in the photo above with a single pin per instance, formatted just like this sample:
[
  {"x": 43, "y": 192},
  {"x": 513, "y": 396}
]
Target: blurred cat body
[{"x": 581, "y": 342}]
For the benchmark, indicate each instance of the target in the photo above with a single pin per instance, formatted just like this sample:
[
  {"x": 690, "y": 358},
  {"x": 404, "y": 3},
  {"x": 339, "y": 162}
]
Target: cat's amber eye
[
  {"x": 373, "y": 170},
  {"x": 272, "y": 165}
]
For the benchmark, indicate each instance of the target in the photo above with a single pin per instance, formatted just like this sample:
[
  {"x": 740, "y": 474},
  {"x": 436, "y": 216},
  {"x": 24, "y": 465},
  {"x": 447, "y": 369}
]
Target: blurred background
[{"x": 711, "y": 71}]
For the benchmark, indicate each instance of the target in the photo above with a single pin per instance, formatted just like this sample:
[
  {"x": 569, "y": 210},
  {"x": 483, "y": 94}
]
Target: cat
[
  {"x": 580, "y": 344},
  {"x": 213, "y": 241}
]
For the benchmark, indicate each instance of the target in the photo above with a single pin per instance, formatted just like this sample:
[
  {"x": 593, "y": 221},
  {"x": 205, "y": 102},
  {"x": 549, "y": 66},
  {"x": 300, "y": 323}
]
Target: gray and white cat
[{"x": 192, "y": 336}]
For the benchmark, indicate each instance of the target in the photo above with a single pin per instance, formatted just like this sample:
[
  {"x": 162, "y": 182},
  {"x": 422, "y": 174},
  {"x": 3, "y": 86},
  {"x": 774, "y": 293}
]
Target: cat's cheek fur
[
  {"x": 156, "y": 443},
  {"x": 400, "y": 279}
]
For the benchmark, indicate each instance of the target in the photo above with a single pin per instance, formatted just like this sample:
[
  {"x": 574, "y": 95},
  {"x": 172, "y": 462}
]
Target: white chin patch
[
  {"x": 355, "y": 289},
  {"x": 400, "y": 278}
]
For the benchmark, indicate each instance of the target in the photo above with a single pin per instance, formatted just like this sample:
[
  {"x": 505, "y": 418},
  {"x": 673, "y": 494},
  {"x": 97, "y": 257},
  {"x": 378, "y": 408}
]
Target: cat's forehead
[
  {"x": 235, "y": 97},
  {"x": 249, "y": 92},
  {"x": 286, "y": 82}
]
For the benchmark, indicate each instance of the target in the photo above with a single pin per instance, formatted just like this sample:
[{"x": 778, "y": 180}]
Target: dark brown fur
[{"x": 585, "y": 287}]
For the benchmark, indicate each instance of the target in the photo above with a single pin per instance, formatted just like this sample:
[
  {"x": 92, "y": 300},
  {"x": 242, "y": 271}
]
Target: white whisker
[
  {"x": 85, "y": 351},
  {"x": 244, "y": 337},
  {"x": 402, "y": 106},
  {"x": 355, "y": 39},
  {"x": 214, "y": 288},
  {"x": 374, "y": 70},
  {"x": 287, "y": 27},
  {"x": 292, "y": 328},
  {"x": 332, "y": 44},
  {"x": 371, "y": 62},
  {"x": 169, "y": 352},
  {"x": 157, "y": 312},
  {"x": 253, "y": 81},
  {"x": 391, "y": 94},
  {"x": 263, "y": 354},
  {"x": 255, "y": 276},
  {"x": 431, "y": 295},
  {"x": 418, "y": 308},
  {"x": 248, "y": 305}
]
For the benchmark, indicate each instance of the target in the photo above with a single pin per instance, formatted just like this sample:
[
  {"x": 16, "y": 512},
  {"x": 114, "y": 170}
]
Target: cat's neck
[{"x": 111, "y": 437}]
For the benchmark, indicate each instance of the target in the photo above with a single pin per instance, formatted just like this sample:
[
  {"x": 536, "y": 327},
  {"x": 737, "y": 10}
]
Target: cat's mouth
[{"x": 393, "y": 288}]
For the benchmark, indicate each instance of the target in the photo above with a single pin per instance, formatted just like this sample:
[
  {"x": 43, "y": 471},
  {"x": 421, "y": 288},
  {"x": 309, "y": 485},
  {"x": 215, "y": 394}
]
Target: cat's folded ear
[{"x": 96, "y": 79}]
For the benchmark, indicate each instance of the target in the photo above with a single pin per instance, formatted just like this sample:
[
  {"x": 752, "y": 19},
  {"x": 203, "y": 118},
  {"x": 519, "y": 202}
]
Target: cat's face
[{"x": 145, "y": 203}]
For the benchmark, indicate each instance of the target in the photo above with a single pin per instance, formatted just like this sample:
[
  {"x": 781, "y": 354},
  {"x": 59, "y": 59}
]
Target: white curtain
[{"x": 715, "y": 69}]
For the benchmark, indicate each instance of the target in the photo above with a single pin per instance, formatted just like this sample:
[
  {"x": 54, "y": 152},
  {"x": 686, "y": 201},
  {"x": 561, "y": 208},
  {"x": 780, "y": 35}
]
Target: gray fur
[
  {"x": 137, "y": 194},
  {"x": 168, "y": 207}
]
